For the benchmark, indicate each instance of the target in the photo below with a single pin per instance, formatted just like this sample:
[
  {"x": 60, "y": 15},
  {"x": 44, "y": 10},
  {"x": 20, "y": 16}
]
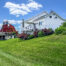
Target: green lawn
[{"x": 42, "y": 51}]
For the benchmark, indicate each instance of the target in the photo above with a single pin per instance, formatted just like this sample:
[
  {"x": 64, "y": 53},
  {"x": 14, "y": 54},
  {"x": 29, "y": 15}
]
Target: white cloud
[
  {"x": 15, "y": 21},
  {"x": 34, "y": 5},
  {"x": 0, "y": 26},
  {"x": 22, "y": 9}
]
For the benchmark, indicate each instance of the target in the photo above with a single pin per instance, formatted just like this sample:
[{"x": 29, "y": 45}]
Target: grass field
[{"x": 42, "y": 51}]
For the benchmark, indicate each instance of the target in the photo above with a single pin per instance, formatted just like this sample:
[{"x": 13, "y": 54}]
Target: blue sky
[{"x": 16, "y": 10}]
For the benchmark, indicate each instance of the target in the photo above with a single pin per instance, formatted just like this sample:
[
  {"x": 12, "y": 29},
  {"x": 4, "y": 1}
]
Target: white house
[{"x": 41, "y": 21}]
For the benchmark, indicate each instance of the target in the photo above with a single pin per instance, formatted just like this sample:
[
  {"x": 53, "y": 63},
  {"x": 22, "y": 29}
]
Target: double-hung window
[{"x": 40, "y": 23}]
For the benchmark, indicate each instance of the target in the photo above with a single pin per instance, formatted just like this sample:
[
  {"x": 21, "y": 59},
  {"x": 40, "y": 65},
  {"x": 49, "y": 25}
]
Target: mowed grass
[{"x": 42, "y": 51}]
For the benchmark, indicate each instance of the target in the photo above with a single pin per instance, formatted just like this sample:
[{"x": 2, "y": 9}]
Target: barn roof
[{"x": 8, "y": 28}]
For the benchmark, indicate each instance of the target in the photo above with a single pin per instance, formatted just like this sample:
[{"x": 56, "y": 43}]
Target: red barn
[
  {"x": 7, "y": 31},
  {"x": 8, "y": 28}
]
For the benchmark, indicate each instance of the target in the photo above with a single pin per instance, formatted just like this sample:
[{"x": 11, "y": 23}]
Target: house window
[
  {"x": 40, "y": 23},
  {"x": 56, "y": 17},
  {"x": 50, "y": 16}
]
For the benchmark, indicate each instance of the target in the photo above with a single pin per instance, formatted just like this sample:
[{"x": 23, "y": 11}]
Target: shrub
[
  {"x": 23, "y": 36},
  {"x": 40, "y": 33},
  {"x": 50, "y": 31},
  {"x": 64, "y": 32},
  {"x": 59, "y": 30},
  {"x": 64, "y": 24},
  {"x": 47, "y": 31},
  {"x": 30, "y": 36},
  {"x": 36, "y": 33}
]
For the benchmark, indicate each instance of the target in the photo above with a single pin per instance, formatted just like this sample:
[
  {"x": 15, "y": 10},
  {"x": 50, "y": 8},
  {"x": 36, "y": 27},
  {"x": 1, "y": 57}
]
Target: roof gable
[
  {"x": 42, "y": 16},
  {"x": 52, "y": 12},
  {"x": 37, "y": 17}
]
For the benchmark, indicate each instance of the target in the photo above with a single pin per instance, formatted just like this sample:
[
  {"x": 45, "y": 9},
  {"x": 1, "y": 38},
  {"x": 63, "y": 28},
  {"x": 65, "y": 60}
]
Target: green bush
[
  {"x": 50, "y": 29},
  {"x": 64, "y": 24},
  {"x": 59, "y": 30},
  {"x": 31, "y": 36},
  {"x": 64, "y": 32},
  {"x": 40, "y": 34}
]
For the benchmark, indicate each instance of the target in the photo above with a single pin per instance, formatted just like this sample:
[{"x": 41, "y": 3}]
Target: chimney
[{"x": 23, "y": 23}]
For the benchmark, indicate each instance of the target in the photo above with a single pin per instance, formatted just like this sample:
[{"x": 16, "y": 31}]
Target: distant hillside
[{"x": 42, "y": 51}]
